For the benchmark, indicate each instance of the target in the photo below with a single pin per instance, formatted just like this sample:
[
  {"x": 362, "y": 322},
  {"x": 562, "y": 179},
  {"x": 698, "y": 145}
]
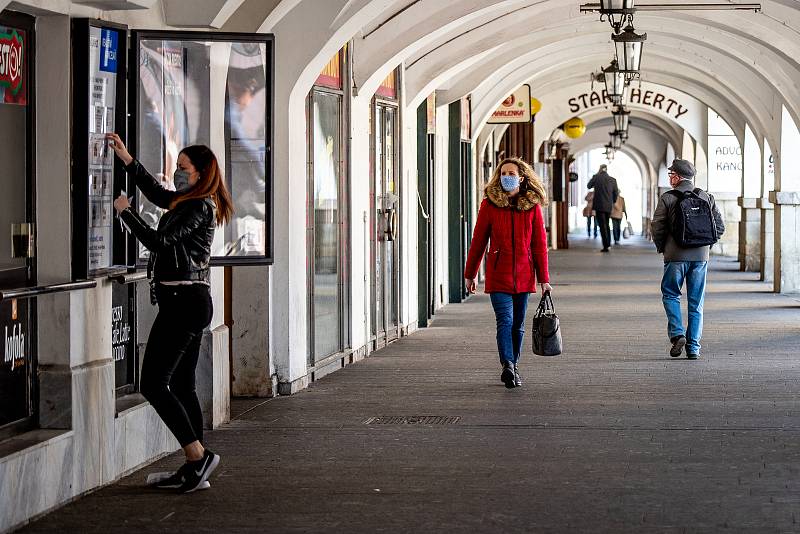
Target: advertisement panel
[
  {"x": 15, "y": 346},
  {"x": 516, "y": 108}
]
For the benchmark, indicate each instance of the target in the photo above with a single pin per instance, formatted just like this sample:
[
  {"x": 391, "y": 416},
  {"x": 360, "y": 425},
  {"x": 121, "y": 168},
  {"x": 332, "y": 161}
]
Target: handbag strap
[{"x": 546, "y": 306}]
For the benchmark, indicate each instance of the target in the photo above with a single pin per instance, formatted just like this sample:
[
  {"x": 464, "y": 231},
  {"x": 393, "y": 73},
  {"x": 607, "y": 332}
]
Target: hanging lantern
[
  {"x": 629, "y": 45},
  {"x": 616, "y": 141},
  {"x": 609, "y": 152},
  {"x": 622, "y": 119},
  {"x": 574, "y": 128},
  {"x": 614, "y": 80},
  {"x": 617, "y": 12}
]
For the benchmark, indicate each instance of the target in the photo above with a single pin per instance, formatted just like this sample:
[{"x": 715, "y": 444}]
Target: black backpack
[{"x": 692, "y": 220}]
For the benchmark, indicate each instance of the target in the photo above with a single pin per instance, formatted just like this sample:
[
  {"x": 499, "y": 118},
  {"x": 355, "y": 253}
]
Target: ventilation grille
[{"x": 413, "y": 420}]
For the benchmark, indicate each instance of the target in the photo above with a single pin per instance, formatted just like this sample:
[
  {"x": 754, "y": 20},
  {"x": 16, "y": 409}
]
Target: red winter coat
[{"x": 517, "y": 257}]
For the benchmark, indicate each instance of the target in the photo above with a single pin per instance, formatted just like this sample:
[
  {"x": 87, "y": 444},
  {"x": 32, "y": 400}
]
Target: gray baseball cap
[{"x": 683, "y": 168}]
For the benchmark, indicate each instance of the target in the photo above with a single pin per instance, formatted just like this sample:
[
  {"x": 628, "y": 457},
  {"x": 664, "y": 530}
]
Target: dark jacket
[
  {"x": 517, "y": 255},
  {"x": 660, "y": 227},
  {"x": 180, "y": 249},
  {"x": 605, "y": 191}
]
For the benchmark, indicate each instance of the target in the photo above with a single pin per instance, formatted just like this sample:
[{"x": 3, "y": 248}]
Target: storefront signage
[
  {"x": 515, "y": 108},
  {"x": 13, "y": 67},
  {"x": 122, "y": 343},
  {"x": 15, "y": 348},
  {"x": 653, "y": 99},
  {"x": 11, "y": 50}
]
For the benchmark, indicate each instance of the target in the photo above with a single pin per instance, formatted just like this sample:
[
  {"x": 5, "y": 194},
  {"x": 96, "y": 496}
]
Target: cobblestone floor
[{"x": 612, "y": 436}]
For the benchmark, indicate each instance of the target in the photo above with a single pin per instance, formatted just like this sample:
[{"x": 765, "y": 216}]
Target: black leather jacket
[{"x": 180, "y": 249}]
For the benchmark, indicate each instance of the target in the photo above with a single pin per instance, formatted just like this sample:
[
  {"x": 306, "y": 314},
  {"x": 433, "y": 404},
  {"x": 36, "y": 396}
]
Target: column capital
[
  {"x": 764, "y": 204},
  {"x": 785, "y": 198},
  {"x": 746, "y": 202}
]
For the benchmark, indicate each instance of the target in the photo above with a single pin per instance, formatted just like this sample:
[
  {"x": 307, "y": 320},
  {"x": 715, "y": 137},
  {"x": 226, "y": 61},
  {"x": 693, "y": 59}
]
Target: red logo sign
[{"x": 11, "y": 48}]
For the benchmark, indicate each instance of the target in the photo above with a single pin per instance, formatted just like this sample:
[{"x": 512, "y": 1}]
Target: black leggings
[{"x": 173, "y": 349}]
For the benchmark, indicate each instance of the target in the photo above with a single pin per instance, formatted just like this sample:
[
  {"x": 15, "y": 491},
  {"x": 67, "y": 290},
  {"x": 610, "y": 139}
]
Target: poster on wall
[
  {"x": 15, "y": 367},
  {"x": 13, "y": 61},
  {"x": 103, "y": 51}
]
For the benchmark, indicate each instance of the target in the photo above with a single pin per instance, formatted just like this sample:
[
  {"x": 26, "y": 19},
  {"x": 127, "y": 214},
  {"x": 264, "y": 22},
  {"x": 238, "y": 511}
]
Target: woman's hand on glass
[
  {"x": 472, "y": 286},
  {"x": 115, "y": 142},
  {"x": 121, "y": 203},
  {"x": 546, "y": 287}
]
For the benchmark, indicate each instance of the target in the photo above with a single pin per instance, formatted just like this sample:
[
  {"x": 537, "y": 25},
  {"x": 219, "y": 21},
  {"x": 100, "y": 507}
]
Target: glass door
[
  {"x": 17, "y": 247},
  {"x": 386, "y": 226},
  {"x": 326, "y": 113}
]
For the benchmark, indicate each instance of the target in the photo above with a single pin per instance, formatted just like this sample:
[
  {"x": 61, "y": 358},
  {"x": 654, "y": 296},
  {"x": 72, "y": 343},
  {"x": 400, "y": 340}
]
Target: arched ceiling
[{"x": 742, "y": 64}]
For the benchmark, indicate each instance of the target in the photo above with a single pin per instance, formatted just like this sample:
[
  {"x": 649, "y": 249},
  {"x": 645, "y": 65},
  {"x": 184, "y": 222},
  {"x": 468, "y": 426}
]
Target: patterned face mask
[{"x": 509, "y": 182}]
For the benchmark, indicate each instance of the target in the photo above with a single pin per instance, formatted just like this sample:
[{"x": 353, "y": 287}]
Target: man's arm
[
  {"x": 590, "y": 185},
  {"x": 718, "y": 222},
  {"x": 615, "y": 192},
  {"x": 658, "y": 226}
]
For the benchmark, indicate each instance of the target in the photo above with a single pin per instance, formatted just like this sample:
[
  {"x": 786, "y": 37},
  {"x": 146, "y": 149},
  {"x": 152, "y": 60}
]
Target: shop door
[
  {"x": 386, "y": 224},
  {"x": 17, "y": 263}
]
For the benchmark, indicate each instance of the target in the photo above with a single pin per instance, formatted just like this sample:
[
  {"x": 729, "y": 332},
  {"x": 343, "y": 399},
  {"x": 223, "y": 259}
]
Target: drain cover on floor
[{"x": 413, "y": 420}]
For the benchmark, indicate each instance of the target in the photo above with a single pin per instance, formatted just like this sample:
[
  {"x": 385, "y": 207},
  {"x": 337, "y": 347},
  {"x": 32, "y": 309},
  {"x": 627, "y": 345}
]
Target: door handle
[{"x": 391, "y": 224}]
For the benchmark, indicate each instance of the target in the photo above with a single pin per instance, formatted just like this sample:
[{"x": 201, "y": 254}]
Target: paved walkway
[{"x": 613, "y": 436}]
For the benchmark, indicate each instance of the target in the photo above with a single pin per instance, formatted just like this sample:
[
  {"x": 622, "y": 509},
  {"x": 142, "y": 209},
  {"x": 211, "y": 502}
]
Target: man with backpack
[{"x": 685, "y": 225}]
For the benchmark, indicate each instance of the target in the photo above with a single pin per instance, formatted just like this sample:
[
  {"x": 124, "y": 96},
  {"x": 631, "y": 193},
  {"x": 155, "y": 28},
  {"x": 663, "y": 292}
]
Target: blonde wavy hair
[{"x": 529, "y": 183}]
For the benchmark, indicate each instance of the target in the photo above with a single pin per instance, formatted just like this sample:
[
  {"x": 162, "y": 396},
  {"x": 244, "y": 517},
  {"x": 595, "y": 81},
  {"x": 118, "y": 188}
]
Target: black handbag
[{"x": 546, "y": 330}]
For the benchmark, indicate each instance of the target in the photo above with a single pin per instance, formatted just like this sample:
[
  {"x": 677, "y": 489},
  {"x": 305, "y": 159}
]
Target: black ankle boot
[
  {"x": 517, "y": 377},
  {"x": 508, "y": 375}
]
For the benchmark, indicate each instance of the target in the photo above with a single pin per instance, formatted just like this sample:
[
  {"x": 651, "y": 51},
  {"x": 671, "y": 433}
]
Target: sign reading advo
[{"x": 515, "y": 108}]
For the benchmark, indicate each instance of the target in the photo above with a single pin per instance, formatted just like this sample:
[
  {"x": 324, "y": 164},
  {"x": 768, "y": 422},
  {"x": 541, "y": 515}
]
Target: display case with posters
[
  {"x": 101, "y": 247},
  {"x": 213, "y": 89}
]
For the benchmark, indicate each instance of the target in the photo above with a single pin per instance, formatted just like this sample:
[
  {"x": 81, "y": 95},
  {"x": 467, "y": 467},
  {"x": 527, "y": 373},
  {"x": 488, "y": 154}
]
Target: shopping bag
[
  {"x": 546, "y": 329},
  {"x": 628, "y": 231}
]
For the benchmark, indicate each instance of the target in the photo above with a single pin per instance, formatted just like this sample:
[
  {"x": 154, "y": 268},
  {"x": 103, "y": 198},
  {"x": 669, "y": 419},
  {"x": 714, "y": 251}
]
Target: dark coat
[
  {"x": 605, "y": 191},
  {"x": 517, "y": 255},
  {"x": 180, "y": 249}
]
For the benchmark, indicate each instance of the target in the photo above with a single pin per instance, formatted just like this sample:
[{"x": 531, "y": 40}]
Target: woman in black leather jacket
[{"x": 180, "y": 251}]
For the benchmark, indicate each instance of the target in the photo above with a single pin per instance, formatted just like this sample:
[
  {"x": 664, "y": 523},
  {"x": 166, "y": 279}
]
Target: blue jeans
[
  {"x": 509, "y": 310},
  {"x": 694, "y": 274}
]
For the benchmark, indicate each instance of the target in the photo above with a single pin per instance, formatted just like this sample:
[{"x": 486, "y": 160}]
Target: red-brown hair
[{"x": 209, "y": 184}]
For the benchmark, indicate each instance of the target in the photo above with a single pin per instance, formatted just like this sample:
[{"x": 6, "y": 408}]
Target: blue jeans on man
[
  {"x": 509, "y": 310},
  {"x": 693, "y": 273}
]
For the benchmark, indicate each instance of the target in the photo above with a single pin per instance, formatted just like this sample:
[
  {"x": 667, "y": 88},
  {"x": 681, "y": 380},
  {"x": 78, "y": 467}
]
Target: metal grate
[{"x": 413, "y": 420}]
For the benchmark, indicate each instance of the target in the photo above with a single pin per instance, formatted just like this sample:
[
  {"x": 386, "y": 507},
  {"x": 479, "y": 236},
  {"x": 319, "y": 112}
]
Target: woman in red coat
[{"x": 511, "y": 215}]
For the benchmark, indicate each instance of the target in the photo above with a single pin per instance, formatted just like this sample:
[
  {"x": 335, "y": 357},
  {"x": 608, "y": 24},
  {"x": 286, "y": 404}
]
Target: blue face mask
[
  {"x": 509, "y": 182},
  {"x": 181, "y": 180}
]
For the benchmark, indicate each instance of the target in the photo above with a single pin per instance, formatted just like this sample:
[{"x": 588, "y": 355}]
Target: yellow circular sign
[
  {"x": 536, "y": 106},
  {"x": 574, "y": 128}
]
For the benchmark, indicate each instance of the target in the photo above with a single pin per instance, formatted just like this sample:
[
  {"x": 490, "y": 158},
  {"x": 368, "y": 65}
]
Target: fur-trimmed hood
[{"x": 498, "y": 197}]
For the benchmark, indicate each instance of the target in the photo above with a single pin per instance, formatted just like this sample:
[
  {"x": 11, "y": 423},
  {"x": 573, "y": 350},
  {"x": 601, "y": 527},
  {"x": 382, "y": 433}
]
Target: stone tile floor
[{"x": 612, "y": 436}]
